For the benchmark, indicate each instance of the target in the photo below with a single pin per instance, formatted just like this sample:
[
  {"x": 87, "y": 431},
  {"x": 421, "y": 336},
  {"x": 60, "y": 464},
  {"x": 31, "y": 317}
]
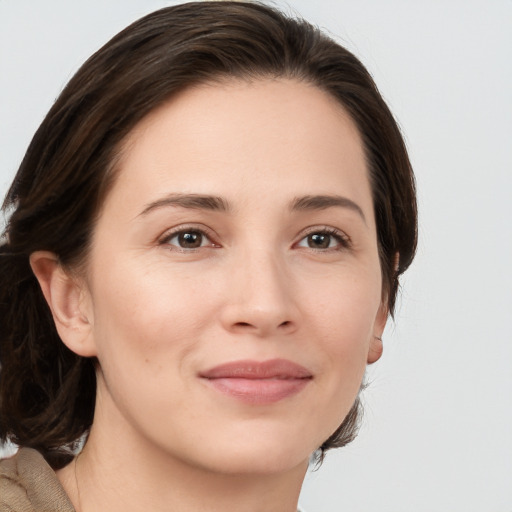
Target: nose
[{"x": 260, "y": 297}]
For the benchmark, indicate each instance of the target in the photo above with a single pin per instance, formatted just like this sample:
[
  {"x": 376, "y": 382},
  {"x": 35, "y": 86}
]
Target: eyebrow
[
  {"x": 322, "y": 202},
  {"x": 216, "y": 203},
  {"x": 191, "y": 201}
]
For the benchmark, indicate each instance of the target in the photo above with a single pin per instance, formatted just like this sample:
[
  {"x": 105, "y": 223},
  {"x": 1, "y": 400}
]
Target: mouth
[{"x": 258, "y": 382}]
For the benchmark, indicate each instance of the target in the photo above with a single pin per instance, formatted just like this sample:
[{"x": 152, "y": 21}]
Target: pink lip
[{"x": 258, "y": 382}]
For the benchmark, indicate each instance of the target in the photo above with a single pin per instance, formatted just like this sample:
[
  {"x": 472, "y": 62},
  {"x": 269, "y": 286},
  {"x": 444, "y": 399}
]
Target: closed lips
[
  {"x": 247, "y": 369},
  {"x": 258, "y": 383}
]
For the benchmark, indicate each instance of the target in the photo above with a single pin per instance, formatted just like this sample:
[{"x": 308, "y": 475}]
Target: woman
[{"x": 204, "y": 245}]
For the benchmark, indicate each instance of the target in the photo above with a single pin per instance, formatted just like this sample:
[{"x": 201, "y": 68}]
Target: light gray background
[{"x": 438, "y": 429}]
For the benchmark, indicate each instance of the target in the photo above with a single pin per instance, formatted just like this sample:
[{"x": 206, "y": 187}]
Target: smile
[{"x": 256, "y": 382}]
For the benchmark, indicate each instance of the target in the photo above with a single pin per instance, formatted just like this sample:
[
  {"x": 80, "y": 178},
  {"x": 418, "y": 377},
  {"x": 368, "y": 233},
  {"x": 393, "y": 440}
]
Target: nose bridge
[
  {"x": 262, "y": 291},
  {"x": 264, "y": 274}
]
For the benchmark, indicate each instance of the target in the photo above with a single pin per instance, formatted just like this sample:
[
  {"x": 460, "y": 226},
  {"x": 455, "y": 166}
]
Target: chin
[
  {"x": 254, "y": 461},
  {"x": 262, "y": 451}
]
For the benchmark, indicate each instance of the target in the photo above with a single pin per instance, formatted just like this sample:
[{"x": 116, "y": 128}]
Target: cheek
[
  {"x": 145, "y": 328},
  {"x": 346, "y": 304},
  {"x": 148, "y": 317},
  {"x": 343, "y": 339},
  {"x": 343, "y": 319}
]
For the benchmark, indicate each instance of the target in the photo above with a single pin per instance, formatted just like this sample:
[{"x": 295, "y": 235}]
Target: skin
[{"x": 259, "y": 286}]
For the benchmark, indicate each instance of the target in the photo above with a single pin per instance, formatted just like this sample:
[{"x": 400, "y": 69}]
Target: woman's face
[{"x": 233, "y": 285}]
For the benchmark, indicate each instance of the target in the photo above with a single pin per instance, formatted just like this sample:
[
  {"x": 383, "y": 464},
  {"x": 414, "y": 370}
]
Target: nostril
[
  {"x": 284, "y": 324},
  {"x": 243, "y": 324}
]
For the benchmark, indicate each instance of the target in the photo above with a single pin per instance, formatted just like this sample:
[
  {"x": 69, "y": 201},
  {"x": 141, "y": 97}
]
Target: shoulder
[{"x": 29, "y": 484}]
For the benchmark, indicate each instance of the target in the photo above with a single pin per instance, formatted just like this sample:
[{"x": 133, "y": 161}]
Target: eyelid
[
  {"x": 344, "y": 240},
  {"x": 176, "y": 230}
]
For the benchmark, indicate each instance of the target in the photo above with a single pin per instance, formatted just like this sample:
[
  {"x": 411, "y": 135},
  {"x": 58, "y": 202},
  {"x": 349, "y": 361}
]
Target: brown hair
[{"x": 47, "y": 393}]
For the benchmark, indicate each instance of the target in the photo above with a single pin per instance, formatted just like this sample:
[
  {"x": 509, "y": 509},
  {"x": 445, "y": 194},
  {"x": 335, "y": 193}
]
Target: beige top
[{"x": 29, "y": 484}]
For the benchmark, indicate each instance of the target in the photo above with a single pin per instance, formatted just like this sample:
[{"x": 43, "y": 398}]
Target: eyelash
[
  {"x": 343, "y": 241},
  {"x": 183, "y": 230},
  {"x": 341, "y": 238}
]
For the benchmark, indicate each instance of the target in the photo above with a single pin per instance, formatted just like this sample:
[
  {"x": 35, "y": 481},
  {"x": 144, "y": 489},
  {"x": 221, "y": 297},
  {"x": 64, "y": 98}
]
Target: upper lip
[{"x": 249, "y": 369}]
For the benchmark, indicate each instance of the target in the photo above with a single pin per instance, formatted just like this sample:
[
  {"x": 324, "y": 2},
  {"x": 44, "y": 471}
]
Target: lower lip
[{"x": 259, "y": 391}]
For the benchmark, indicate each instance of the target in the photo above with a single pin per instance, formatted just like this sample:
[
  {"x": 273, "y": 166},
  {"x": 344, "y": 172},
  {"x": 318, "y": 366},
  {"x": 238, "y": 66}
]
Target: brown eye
[
  {"x": 188, "y": 239},
  {"x": 319, "y": 241},
  {"x": 325, "y": 239}
]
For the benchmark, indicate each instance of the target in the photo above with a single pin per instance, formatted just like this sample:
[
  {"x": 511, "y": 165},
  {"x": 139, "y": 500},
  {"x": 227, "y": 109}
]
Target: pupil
[
  {"x": 319, "y": 241},
  {"x": 190, "y": 240}
]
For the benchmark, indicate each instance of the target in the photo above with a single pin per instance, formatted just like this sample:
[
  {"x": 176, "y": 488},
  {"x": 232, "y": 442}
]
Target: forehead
[{"x": 265, "y": 137}]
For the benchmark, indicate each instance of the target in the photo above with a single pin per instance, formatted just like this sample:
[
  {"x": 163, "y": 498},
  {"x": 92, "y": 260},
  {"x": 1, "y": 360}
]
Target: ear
[
  {"x": 396, "y": 265},
  {"x": 376, "y": 347},
  {"x": 66, "y": 296}
]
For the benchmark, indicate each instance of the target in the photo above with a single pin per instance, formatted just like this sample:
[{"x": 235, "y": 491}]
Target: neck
[{"x": 117, "y": 472}]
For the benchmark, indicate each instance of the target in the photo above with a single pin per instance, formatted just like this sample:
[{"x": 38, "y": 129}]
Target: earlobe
[
  {"x": 65, "y": 297},
  {"x": 375, "y": 350},
  {"x": 397, "y": 263},
  {"x": 376, "y": 346}
]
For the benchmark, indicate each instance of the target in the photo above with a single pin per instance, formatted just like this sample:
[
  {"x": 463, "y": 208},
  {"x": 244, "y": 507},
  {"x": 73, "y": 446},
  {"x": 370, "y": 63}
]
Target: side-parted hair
[{"x": 47, "y": 393}]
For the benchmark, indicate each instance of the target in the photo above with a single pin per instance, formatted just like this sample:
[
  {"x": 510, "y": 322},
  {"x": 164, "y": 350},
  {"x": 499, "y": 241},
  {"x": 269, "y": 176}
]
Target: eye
[
  {"x": 188, "y": 239},
  {"x": 323, "y": 239}
]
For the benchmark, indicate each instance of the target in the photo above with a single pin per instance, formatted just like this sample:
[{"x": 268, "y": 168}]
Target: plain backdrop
[{"x": 437, "y": 434}]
